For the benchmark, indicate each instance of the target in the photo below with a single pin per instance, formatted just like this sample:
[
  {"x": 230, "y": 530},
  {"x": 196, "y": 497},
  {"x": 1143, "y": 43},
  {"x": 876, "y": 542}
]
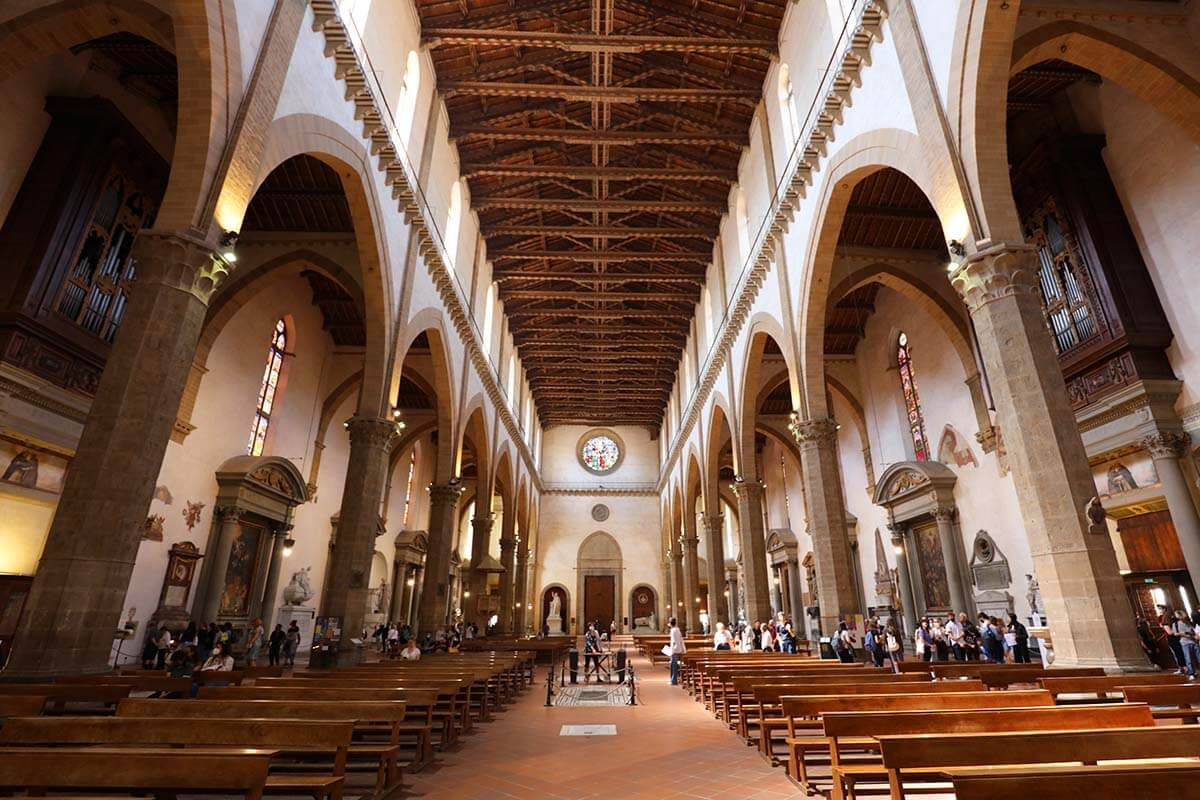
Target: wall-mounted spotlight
[
  {"x": 288, "y": 544},
  {"x": 228, "y": 242}
]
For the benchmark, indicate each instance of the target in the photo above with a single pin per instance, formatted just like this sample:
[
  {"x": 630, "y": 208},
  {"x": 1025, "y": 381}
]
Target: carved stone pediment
[
  {"x": 271, "y": 476},
  {"x": 906, "y": 482}
]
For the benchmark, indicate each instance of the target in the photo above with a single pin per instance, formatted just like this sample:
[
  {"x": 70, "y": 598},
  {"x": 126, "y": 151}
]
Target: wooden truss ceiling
[
  {"x": 343, "y": 319},
  {"x": 138, "y": 64},
  {"x": 599, "y": 139},
  {"x": 1033, "y": 89}
]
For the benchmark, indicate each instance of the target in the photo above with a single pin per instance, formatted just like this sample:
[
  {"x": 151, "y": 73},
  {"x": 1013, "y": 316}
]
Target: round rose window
[{"x": 600, "y": 453}]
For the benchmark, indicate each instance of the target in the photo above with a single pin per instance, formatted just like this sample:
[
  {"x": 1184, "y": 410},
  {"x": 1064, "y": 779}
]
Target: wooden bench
[
  {"x": 1023, "y": 673},
  {"x": 803, "y": 714},
  {"x": 367, "y": 717},
  {"x": 1098, "y": 689},
  {"x": 769, "y": 700},
  {"x": 1072, "y": 782},
  {"x": 1181, "y": 702},
  {"x": 88, "y": 770},
  {"x": 298, "y": 739},
  {"x": 418, "y": 723},
  {"x": 156, "y": 682},
  {"x": 59, "y": 695},
  {"x": 860, "y": 732},
  {"x": 923, "y": 759},
  {"x": 21, "y": 705}
]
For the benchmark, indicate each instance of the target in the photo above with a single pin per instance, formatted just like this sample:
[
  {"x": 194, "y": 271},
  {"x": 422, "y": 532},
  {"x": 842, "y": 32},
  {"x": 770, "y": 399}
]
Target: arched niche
[
  {"x": 563, "y": 620},
  {"x": 599, "y": 582},
  {"x": 931, "y": 563},
  {"x": 644, "y": 614},
  {"x": 254, "y": 507}
]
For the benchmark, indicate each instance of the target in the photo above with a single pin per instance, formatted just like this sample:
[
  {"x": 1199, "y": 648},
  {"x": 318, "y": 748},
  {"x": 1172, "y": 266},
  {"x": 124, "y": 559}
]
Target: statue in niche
[
  {"x": 299, "y": 590},
  {"x": 555, "y": 606},
  {"x": 1033, "y": 595}
]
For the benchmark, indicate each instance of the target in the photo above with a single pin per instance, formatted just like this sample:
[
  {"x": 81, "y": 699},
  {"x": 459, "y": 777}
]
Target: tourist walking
[
  {"x": 275, "y": 645},
  {"x": 1020, "y": 636},
  {"x": 254, "y": 643},
  {"x": 677, "y": 648},
  {"x": 291, "y": 644},
  {"x": 1186, "y": 632},
  {"x": 895, "y": 645}
]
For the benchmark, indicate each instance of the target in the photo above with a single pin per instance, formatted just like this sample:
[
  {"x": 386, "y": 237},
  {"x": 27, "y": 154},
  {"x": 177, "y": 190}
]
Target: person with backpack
[{"x": 894, "y": 643}]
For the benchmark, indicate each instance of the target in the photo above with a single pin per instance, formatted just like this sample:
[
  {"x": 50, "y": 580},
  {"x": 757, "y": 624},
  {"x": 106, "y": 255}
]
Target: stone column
[
  {"x": 950, "y": 547},
  {"x": 1086, "y": 603},
  {"x": 435, "y": 588},
  {"x": 691, "y": 576},
  {"x": 75, "y": 603},
  {"x": 679, "y": 611},
  {"x": 520, "y": 613},
  {"x": 345, "y": 593},
  {"x": 754, "y": 550},
  {"x": 401, "y": 594},
  {"x": 1166, "y": 449},
  {"x": 776, "y": 589},
  {"x": 668, "y": 592},
  {"x": 826, "y": 519},
  {"x": 476, "y": 583},
  {"x": 418, "y": 578},
  {"x": 734, "y": 607},
  {"x": 794, "y": 597},
  {"x": 714, "y": 532},
  {"x": 508, "y": 547},
  {"x": 271, "y": 591},
  {"x": 231, "y": 517},
  {"x": 907, "y": 599}
]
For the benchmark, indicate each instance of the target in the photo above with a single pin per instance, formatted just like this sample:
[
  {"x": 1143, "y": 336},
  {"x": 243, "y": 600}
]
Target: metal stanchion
[
  {"x": 632, "y": 686},
  {"x": 550, "y": 685}
]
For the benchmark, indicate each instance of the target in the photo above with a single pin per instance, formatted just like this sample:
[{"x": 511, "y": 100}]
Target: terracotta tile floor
[{"x": 668, "y": 748}]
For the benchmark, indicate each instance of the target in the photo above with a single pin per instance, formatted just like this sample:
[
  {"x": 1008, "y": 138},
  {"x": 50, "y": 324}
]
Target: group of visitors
[
  {"x": 443, "y": 640},
  {"x": 1183, "y": 639},
  {"x": 205, "y": 648},
  {"x": 942, "y": 639}
]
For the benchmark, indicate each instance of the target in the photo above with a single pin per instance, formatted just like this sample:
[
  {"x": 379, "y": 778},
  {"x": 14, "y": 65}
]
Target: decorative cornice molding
[
  {"x": 33, "y": 397},
  {"x": 571, "y": 490},
  {"x": 1162, "y": 13},
  {"x": 792, "y": 188},
  {"x": 340, "y": 47}
]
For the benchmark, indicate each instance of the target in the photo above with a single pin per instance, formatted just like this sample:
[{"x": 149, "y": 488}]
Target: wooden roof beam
[
  {"x": 597, "y": 296},
  {"x": 592, "y": 205},
  {"x": 597, "y": 278},
  {"x": 587, "y": 172},
  {"x": 595, "y": 313},
  {"x": 601, "y": 256},
  {"x": 595, "y": 43},
  {"x": 601, "y": 232},
  {"x": 581, "y": 93},
  {"x": 592, "y": 137}
]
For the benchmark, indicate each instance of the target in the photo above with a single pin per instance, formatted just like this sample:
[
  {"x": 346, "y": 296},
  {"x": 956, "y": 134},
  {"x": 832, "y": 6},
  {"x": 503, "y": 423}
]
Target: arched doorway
[
  {"x": 643, "y": 610},
  {"x": 599, "y": 570}
]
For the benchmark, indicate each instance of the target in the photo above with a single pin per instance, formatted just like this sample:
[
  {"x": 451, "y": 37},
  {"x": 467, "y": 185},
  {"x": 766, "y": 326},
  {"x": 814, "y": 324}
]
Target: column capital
[
  {"x": 676, "y": 554},
  {"x": 445, "y": 495},
  {"x": 230, "y": 513},
  {"x": 813, "y": 432},
  {"x": 508, "y": 544},
  {"x": 897, "y": 532},
  {"x": 179, "y": 261},
  {"x": 748, "y": 489},
  {"x": 945, "y": 513},
  {"x": 482, "y": 521},
  {"x": 988, "y": 438},
  {"x": 997, "y": 270},
  {"x": 712, "y": 520},
  {"x": 371, "y": 431},
  {"x": 1167, "y": 445}
]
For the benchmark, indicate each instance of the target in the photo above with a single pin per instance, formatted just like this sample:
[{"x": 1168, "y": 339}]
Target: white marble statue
[
  {"x": 555, "y": 606},
  {"x": 554, "y": 623},
  {"x": 299, "y": 590}
]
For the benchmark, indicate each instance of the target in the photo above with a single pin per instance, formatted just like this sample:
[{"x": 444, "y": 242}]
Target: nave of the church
[{"x": 363, "y": 363}]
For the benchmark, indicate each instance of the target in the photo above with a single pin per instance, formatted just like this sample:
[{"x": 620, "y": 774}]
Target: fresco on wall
[
  {"x": 239, "y": 575},
  {"x": 933, "y": 568},
  {"x": 31, "y": 467},
  {"x": 1122, "y": 475},
  {"x": 953, "y": 450}
]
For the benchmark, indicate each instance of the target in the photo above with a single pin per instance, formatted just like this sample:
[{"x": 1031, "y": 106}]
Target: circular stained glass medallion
[{"x": 600, "y": 452}]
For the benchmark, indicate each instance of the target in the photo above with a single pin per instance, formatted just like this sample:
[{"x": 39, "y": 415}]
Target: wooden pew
[
  {"x": 1099, "y": 688},
  {"x": 1139, "y": 782},
  {"x": 21, "y": 705},
  {"x": 156, "y": 682},
  {"x": 59, "y": 695},
  {"x": 803, "y": 714},
  {"x": 297, "y": 738},
  {"x": 1009, "y": 674},
  {"x": 1183, "y": 701},
  {"x": 366, "y": 716},
  {"x": 769, "y": 700},
  {"x": 418, "y": 724},
  {"x": 59, "y": 769},
  {"x": 924, "y": 758}
]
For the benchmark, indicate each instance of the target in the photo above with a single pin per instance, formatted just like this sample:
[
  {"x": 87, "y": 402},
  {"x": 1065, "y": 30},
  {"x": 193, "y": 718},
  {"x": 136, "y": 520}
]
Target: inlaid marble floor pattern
[{"x": 668, "y": 748}]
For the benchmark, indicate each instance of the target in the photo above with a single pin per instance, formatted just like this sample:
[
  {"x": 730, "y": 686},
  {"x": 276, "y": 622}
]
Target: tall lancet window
[
  {"x": 912, "y": 400},
  {"x": 270, "y": 385}
]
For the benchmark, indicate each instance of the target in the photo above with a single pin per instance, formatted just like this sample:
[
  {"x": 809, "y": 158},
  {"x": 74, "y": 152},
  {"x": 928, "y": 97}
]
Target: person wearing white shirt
[
  {"x": 678, "y": 648},
  {"x": 411, "y": 652},
  {"x": 768, "y": 640},
  {"x": 954, "y": 634},
  {"x": 721, "y": 639}
]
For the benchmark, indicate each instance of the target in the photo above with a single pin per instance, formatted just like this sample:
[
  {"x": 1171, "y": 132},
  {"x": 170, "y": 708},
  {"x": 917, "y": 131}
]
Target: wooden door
[
  {"x": 599, "y": 601},
  {"x": 14, "y": 589}
]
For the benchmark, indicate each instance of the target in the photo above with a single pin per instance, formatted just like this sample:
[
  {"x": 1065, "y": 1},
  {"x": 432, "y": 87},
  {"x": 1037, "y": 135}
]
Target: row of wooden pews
[
  {"x": 310, "y": 732},
  {"x": 982, "y": 731}
]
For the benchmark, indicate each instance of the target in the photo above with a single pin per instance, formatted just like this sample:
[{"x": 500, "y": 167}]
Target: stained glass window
[
  {"x": 266, "y": 394},
  {"x": 912, "y": 400},
  {"x": 600, "y": 453},
  {"x": 412, "y": 472}
]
